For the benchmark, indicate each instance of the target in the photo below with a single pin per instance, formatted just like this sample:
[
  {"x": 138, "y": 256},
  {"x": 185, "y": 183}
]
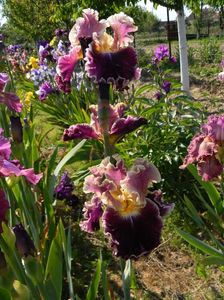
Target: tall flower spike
[{"x": 131, "y": 219}]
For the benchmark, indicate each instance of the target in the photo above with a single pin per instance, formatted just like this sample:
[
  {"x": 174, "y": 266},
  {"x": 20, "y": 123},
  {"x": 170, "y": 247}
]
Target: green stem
[{"x": 103, "y": 114}]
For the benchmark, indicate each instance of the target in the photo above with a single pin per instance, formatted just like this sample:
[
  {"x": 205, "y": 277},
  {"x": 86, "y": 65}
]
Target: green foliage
[
  {"x": 31, "y": 18},
  {"x": 209, "y": 51},
  {"x": 206, "y": 209}
]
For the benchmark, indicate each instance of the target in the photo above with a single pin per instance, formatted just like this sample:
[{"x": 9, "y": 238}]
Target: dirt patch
[{"x": 169, "y": 273}]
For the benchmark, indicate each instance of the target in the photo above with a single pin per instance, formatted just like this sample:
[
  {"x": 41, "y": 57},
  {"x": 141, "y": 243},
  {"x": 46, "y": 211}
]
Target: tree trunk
[{"x": 183, "y": 50}]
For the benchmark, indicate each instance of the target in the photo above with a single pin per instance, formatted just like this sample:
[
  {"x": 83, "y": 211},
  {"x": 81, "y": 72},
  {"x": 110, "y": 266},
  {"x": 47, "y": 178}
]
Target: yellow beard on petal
[
  {"x": 126, "y": 203},
  {"x": 104, "y": 44}
]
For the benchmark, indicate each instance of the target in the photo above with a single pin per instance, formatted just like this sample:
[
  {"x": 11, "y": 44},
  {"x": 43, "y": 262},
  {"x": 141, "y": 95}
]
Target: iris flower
[
  {"x": 206, "y": 149},
  {"x": 108, "y": 59},
  {"x": 9, "y": 99},
  {"x": 10, "y": 167},
  {"x": 119, "y": 125},
  {"x": 82, "y": 33},
  {"x": 111, "y": 59},
  {"x": 131, "y": 218}
]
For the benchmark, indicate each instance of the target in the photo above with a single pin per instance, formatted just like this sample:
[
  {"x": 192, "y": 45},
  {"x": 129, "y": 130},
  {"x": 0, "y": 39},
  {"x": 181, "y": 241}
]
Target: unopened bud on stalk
[
  {"x": 24, "y": 244},
  {"x": 16, "y": 129}
]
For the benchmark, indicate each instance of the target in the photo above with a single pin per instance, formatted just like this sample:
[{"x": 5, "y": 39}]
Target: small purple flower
[
  {"x": 161, "y": 52},
  {"x": 63, "y": 190},
  {"x": 158, "y": 95},
  {"x": 24, "y": 244},
  {"x": 173, "y": 59},
  {"x": 166, "y": 85},
  {"x": 59, "y": 32},
  {"x": 44, "y": 90}
]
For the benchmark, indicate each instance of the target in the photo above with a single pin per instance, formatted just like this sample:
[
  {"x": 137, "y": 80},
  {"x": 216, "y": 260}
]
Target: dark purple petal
[
  {"x": 80, "y": 131},
  {"x": 133, "y": 236},
  {"x": 158, "y": 95},
  {"x": 24, "y": 244},
  {"x": 92, "y": 214},
  {"x": 4, "y": 205},
  {"x": 16, "y": 129},
  {"x": 64, "y": 188},
  {"x": 166, "y": 86},
  {"x": 164, "y": 208},
  {"x": 112, "y": 67},
  {"x": 123, "y": 126}
]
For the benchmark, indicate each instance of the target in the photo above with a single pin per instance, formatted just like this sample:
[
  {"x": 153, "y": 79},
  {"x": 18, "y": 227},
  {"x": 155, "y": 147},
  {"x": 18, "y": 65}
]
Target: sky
[{"x": 161, "y": 12}]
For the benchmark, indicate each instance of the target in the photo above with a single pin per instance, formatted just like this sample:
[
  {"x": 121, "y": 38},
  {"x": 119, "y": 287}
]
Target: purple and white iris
[
  {"x": 206, "y": 149},
  {"x": 131, "y": 218}
]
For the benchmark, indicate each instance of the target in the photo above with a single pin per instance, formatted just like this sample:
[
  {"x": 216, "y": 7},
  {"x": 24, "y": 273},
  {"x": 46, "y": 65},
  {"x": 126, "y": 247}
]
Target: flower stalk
[{"x": 103, "y": 115}]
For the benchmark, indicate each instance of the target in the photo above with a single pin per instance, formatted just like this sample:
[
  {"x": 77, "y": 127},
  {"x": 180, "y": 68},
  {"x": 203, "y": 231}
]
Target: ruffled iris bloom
[
  {"x": 131, "y": 219},
  {"x": 119, "y": 125},
  {"x": 9, "y": 99},
  {"x": 206, "y": 149},
  {"x": 10, "y": 167},
  {"x": 81, "y": 35},
  {"x": 111, "y": 59}
]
